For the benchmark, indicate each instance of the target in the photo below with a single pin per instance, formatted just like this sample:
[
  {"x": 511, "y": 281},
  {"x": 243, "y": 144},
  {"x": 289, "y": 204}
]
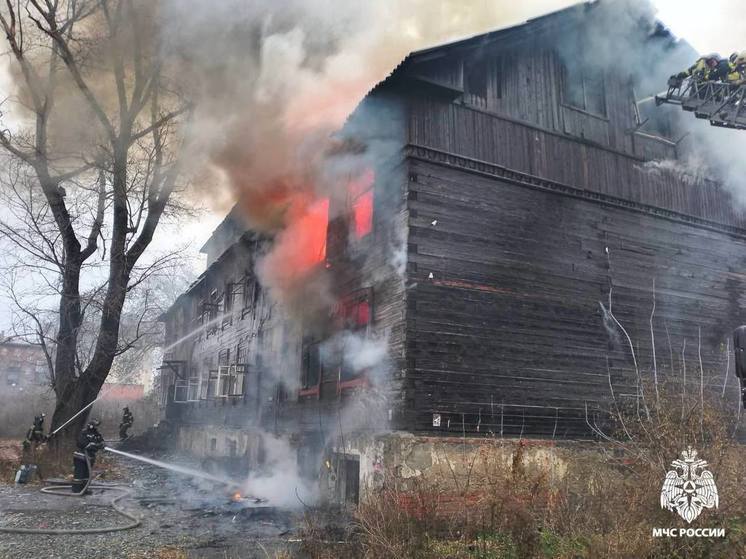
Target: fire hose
[{"x": 56, "y": 490}]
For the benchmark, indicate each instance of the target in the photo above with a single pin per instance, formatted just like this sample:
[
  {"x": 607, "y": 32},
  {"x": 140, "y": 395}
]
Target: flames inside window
[{"x": 361, "y": 204}]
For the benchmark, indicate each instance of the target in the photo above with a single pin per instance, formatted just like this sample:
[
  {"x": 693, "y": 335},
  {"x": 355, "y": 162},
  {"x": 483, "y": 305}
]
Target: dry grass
[{"x": 605, "y": 505}]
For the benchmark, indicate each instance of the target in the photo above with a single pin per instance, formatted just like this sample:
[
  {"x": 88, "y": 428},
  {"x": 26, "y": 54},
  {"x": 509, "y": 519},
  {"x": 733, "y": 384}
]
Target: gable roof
[{"x": 560, "y": 20}]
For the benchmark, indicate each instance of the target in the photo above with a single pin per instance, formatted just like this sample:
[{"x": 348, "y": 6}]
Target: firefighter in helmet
[
  {"x": 89, "y": 442},
  {"x": 704, "y": 69},
  {"x": 35, "y": 435},
  {"x": 736, "y": 69},
  {"x": 127, "y": 420}
]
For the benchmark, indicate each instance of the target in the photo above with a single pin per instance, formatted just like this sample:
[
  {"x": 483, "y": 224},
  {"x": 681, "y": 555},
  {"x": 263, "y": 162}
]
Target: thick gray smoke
[
  {"x": 625, "y": 36},
  {"x": 274, "y": 78}
]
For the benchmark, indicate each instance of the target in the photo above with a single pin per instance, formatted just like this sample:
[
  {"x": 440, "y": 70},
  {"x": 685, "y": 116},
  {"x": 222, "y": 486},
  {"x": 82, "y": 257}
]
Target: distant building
[{"x": 22, "y": 366}]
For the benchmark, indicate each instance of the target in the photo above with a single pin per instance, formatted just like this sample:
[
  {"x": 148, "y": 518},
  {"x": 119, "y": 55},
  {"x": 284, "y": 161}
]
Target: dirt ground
[{"x": 180, "y": 520}]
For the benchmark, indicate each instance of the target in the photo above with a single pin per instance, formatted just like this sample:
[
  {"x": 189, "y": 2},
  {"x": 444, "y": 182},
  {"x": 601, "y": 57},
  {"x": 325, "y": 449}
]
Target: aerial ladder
[{"x": 723, "y": 104}]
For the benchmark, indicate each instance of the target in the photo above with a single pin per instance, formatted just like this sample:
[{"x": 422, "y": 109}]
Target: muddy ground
[{"x": 179, "y": 520}]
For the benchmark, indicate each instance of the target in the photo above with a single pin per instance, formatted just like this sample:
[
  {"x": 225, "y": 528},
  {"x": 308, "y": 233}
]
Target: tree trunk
[
  {"x": 73, "y": 392},
  {"x": 65, "y": 379}
]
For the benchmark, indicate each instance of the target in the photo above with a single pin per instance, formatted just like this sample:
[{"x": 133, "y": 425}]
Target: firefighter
[
  {"x": 127, "y": 420},
  {"x": 89, "y": 442},
  {"x": 736, "y": 69},
  {"x": 702, "y": 70},
  {"x": 35, "y": 435}
]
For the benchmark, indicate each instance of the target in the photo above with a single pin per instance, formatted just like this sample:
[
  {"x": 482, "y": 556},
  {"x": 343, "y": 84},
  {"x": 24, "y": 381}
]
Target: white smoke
[{"x": 279, "y": 480}]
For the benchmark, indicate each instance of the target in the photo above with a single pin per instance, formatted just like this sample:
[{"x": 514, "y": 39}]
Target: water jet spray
[{"x": 178, "y": 469}]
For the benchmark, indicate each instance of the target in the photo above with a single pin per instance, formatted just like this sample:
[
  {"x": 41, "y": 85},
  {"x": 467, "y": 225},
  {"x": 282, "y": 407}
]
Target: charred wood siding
[
  {"x": 486, "y": 137},
  {"x": 375, "y": 263},
  {"x": 508, "y": 335}
]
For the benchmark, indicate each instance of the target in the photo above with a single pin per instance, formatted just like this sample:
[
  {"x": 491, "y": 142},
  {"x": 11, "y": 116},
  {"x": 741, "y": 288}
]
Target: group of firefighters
[
  {"x": 35, "y": 435},
  {"x": 88, "y": 443},
  {"x": 711, "y": 67}
]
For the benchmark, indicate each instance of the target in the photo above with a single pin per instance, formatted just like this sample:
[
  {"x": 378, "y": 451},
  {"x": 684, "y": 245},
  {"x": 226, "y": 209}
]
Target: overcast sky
[{"x": 711, "y": 26}]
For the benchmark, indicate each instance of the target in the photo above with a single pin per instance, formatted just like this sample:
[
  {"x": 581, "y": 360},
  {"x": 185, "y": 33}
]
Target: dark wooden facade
[{"x": 523, "y": 209}]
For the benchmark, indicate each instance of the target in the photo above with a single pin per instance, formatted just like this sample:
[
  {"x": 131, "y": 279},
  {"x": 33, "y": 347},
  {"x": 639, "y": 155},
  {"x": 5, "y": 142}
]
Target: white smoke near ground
[
  {"x": 279, "y": 480},
  {"x": 365, "y": 354}
]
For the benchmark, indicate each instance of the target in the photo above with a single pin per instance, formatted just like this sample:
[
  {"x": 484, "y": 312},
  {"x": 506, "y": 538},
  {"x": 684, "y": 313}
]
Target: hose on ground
[{"x": 56, "y": 490}]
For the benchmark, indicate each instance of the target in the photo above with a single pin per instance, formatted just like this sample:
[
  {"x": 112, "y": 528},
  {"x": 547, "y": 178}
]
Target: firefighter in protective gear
[
  {"x": 701, "y": 70},
  {"x": 127, "y": 420},
  {"x": 736, "y": 69},
  {"x": 90, "y": 441},
  {"x": 35, "y": 435}
]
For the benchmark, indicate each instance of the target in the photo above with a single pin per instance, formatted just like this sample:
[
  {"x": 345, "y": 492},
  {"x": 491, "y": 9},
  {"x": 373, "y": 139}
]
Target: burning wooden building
[{"x": 522, "y": 241}]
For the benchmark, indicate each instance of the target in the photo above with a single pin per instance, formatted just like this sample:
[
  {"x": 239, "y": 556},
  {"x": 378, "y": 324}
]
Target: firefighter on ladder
[
  {"x": 736, "y": 74},
  {"x": 704, "y": 69}
]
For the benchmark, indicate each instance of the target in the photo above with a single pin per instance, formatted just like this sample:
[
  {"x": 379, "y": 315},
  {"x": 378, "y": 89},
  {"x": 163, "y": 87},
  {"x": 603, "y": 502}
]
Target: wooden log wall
[
  {"x": 486, "y": 137},
  {"x": 505, "y": 332}
]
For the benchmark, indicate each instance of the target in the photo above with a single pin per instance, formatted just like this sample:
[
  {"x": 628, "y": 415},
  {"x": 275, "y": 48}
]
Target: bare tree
[{"x": 92, "y": 174}]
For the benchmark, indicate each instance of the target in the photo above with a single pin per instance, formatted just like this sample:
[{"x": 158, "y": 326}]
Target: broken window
[
  {"x": 584, "y": 88},
  {"x": 356, "y": 316},
  {"x": 210, "y": 309},
  {"x": 311, "y": 366},
  {"x": 475, "y": 77},
  {"x": 228, "y": 297},
  {"x": 360, "y": 204},
  {"x": 354, "y": 310},
  {"x": 653, "y": 120},
  {"x": 332, "y": 360}
]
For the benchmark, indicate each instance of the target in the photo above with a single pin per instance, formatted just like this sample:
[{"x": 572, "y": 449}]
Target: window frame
[
  {"x": 355, "y": 196},
  {"x": 565, "y": 82}
]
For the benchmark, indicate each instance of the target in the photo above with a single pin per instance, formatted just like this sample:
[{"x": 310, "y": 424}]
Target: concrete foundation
[{"x": 348, "y": 472}]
